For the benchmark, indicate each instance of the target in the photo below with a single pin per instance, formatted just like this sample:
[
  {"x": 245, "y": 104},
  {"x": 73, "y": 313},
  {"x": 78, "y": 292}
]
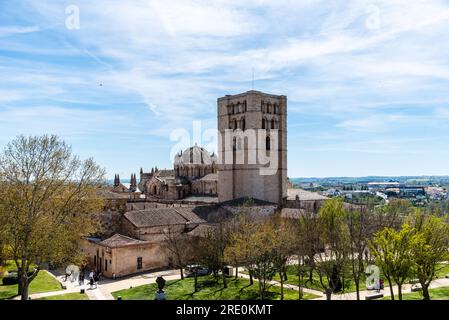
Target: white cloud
[
  {"x": 443, "y": 112},
  {"x": 176, "y": 56},
  {"x": 6, "y": 31},
  {"x": 378, "y": 123}
]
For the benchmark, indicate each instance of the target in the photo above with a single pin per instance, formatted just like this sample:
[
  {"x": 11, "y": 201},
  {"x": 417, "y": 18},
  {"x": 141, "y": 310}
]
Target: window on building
[
  {"x": 263, "y": 123},
  {"x": 105, "y": 265},
  {"x": 139, "y": 263},
  {"x": 268, "y": 143},
  {"x": 243, "y": 124},
  {"x": 272, "y": 123}
]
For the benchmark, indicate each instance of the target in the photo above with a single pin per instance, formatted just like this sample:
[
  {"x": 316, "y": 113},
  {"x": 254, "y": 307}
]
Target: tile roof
[
  {"x": 107, "y": 193},
  {"x": 204, "y": 199},
  {"x": 162, "y": 217},
  {"x": 246, "y": 202},
  {"x": 119, "y": 240},
  {"x": 201, "y": 230},
  {"x": 304, "y": 195}
]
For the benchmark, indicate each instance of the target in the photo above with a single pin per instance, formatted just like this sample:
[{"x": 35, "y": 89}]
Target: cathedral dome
[{"x": 195, "y": 155}]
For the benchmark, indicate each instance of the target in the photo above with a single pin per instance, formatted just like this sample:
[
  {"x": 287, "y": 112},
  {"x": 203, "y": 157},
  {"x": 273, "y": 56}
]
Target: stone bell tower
[{"x": 252, "y": 128}]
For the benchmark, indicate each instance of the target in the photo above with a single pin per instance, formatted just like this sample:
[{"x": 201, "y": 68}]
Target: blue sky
[{"x": 367, "y": 81}]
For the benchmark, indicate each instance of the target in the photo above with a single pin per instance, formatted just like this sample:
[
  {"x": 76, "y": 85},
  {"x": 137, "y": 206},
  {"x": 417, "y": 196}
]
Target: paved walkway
[
  {"x": 109, "y": 286},
  {"x": 286, "y": 285},
  {"x": 70, "y": 288},
  {"x": 406, "y": 288},
  {"x": 103, "y": 290}
]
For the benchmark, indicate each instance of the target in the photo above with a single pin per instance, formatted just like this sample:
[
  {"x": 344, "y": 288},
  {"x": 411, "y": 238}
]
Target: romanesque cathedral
[{"x": 201, "y": 188}]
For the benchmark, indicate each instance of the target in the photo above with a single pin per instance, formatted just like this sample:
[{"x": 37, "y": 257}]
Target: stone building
[
  {"x": 120, "y": 255},
  {"x": 139, "y": 241},
  {"x": 239, "y": 117},
  {"x": 194, "y": 173}
]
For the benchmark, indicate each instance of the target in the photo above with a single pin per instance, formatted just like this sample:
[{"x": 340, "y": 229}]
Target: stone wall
[
  {"x": 122, "y": 261},
  {"x": 204, "y": 187}
]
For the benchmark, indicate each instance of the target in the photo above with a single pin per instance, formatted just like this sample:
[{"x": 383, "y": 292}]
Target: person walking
[
  {"x": 81, "y": 278},
  {"x": 91, "y": 279}
]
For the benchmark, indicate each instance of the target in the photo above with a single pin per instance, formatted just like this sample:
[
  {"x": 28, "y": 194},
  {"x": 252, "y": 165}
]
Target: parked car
[
  {"x": 12, "y": 277},
  {"x": 190, "y": 270}
]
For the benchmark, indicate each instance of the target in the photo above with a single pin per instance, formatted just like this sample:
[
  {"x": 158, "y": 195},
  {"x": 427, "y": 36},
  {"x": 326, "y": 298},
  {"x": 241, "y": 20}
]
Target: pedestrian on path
[
  {"x": 81, "y": 278},
  {"x": 91, "y": 279}
]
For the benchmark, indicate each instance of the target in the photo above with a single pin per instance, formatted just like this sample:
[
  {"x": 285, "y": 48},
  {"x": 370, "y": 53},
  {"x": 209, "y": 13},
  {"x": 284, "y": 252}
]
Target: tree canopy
[{"x": 47, "y": 198}]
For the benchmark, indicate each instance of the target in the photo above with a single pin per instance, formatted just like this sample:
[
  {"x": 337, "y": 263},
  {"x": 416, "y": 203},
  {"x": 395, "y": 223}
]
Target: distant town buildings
[{"x": 385, "y": 191}]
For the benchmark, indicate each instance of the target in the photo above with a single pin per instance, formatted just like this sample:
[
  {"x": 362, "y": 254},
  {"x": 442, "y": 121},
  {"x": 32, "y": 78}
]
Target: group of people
[{"x": 94, "y": 278}]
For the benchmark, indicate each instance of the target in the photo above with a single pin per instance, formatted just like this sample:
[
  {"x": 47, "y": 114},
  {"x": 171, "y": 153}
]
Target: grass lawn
[
  {"x": 349, "y": 285},
  {"x": 43, "y": 282},
  {"x": 442, "y": 270},
  {"x": 435, "y": 294},
  {"x": 67, "y": 296},
  {"x": 238, "y": 289}
]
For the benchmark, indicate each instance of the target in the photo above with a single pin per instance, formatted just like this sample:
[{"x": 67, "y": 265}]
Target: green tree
[
  {"x": 47, "y": 199},
  {"x": 334, "y": 235},
  {"x": 393, "y": 214},
  {"x": 254, "y": 245},
  {"x": 360, "y": 228},
  {"x": 212, "y": 247},
  {"x": 307, "y": 244},
  {"x": 180, "y": 247},
  {"x": 430, "y": 249},
  {"x": 284, "y": 246},
  {"x": 393, "y": 252}
]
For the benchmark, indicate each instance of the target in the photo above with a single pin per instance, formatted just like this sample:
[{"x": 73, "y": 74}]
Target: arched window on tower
[
  {"x": 243, "y": 124},
  {"x": 235, "y": 124},
  {"x": 272, "y": 123},
  {"x": 263, "y": 123},
  {"x": 268, "y": 144}
]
